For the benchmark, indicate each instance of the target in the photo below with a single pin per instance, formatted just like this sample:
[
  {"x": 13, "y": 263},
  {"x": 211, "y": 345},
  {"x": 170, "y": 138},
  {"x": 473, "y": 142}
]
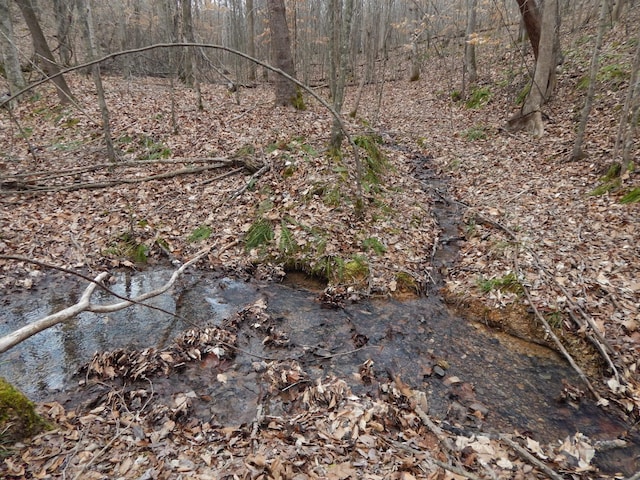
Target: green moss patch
[{"x": 18, "y": 418}]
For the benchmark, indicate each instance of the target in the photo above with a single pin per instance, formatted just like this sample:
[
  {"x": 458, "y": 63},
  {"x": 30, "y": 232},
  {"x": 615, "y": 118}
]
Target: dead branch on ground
[
  {"x": 47, "y": 174},
  {"x": 85, "y": 305},
  {"x": 26, "y": 188}
]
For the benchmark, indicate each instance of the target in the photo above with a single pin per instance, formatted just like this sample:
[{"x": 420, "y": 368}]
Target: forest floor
[{"x": 534, "y": 243}]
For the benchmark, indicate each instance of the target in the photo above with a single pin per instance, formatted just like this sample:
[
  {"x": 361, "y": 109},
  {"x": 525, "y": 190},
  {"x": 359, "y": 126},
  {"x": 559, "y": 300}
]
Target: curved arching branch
[{"x": 155, "y": 46}]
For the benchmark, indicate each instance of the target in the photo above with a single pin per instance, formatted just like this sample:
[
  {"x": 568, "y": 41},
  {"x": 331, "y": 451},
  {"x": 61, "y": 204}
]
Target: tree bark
[
  {"x": 10, "y": 56},
  {"x": 281, "y": 52},
  {"x": 578, "y": 153},
  {"x": 544, "y": 78},
  {"x": 627, "y": 127},
  {"x": 470, "y": 70},
  {"x": 617, "y": 11},
  {"x": 251, "y": 39},
  {"x": 341, "y": 37},
  {"x": 43, "y": 51},
  {"x": 63, "y": 10},
  {"x": 416, "y": 16},
  {"x": 84, "y": 7},
  {"x": 532, "y": 22}
]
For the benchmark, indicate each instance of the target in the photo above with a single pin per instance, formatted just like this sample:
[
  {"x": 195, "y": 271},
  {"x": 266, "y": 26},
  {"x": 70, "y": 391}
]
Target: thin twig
[
  {"x": 554, "y": 337},
  {"x": 531, "y": 459},
  {"x": 219, "y": 177}
]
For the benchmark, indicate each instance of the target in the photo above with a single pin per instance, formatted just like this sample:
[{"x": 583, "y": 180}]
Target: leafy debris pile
[{"x": 325, "y": 431}]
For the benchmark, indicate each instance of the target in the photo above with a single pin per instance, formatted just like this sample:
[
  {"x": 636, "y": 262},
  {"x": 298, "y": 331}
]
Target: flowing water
[{"x": 462, "y": 367}]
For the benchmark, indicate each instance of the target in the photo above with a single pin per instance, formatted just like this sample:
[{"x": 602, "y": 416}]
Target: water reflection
[{"x": 513, "y": 388}]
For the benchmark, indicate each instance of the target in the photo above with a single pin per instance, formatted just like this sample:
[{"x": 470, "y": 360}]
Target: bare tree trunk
[
  {"x": 84, "y": 7},
  {"x": 341, "y": 37},
  {"x": 544, "y": 78},
  {"x": 415, "y": 38},
  {"x": 281, "y": 52},
  {"x": 43, "y": 51},
  {"x": 630, "y": 135},
  {"x": 628, "y": 126},
  {"x": 578, "y": 153},
  {"x": 63, "y": 10},
  {"x": 470, "y": 71},
  {"x": 10, "y": 56},
  {"x": 185, "y": 27},
  {"x": 617, "y": 11},
  {"x": 251, "y": 39},
  {"x": 532, "y": 22}
]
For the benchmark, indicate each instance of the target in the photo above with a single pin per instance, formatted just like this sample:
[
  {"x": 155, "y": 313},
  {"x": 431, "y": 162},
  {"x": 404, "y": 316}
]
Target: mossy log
[{"x": 18, "y": 418}]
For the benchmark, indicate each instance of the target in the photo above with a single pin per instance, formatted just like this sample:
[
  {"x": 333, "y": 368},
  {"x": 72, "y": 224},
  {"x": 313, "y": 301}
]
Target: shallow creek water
[{"x": 462, "y": 367}]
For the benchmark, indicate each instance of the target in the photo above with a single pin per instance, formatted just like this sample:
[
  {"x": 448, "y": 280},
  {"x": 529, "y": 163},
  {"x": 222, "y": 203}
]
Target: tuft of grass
[
  {"x": 479, "y": 97},
  {"x": 153, "y": 150},
  {"x": 631, "y": 197},
  {"x": 260, "y": 233},
  {"x": 583, "y": 83},
  {"x": 126, "y": 246},
  {"x": 287, "y": 244},
  {"x": 508, "y": 282},
  {"x": 201, "y": 233},
  {"x": 332, "y": 197},
  {"x": 613, "y": 73},
  {"x": 522, "y": 96},
  {"x": 298, "y": 100},
  {"x": 356, "y": 270},
  {"x": 328, "y": 267},
  {"x": 376, "y": 164},
  {"x": 374, "y": 244},
  {"x": 406, "y": 283},
  {"x": 554, "y": 319},
  {"x": 477, "y": 132}
]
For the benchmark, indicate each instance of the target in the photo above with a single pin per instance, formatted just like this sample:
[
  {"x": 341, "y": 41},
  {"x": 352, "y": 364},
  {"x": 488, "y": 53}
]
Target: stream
[
  {"x": 507, "y": 384},
  {"x": 475, "y": 379}
]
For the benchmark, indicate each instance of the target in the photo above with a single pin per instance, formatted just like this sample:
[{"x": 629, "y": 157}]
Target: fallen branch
[
  {"x": 601, "y": 348},
  {"x": 11, "y": 340},
  {"x": 531, "y": 459},
  {"x": 113, "y": 166},
  {"x": 85, "y": 305},
  {"x": 219, "y": 177},
  {"x": 240, "y": 191},
  {"x": 111, "y": 183},
  {"x": 554, "y": 337}
]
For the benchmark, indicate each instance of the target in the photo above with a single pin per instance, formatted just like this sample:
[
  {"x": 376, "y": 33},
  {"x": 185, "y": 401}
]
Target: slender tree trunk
[
  {"x": 251, "y": 39},
  {"x": 335, "y": 19},
  {"x": 63, "y": 10},
  {"x": 415, "y": 38},
  {"x": 84, "y": 7},
  {"x": 281, "y": 52},
  {"x": 628, "y": 126},
  {"x": 185, "y": 22},
  {"x": 617, "y": 11},
  {"x": 10, "y": 56},
  {"x": 342, "y": 36},
  {"x": 532, "y": 22},
  {"x": 631, "y": 133},
  {"x": 43, "y": 51},
  {"x": 470, "y": 70},
  {"x": 578, "y": 153}
]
